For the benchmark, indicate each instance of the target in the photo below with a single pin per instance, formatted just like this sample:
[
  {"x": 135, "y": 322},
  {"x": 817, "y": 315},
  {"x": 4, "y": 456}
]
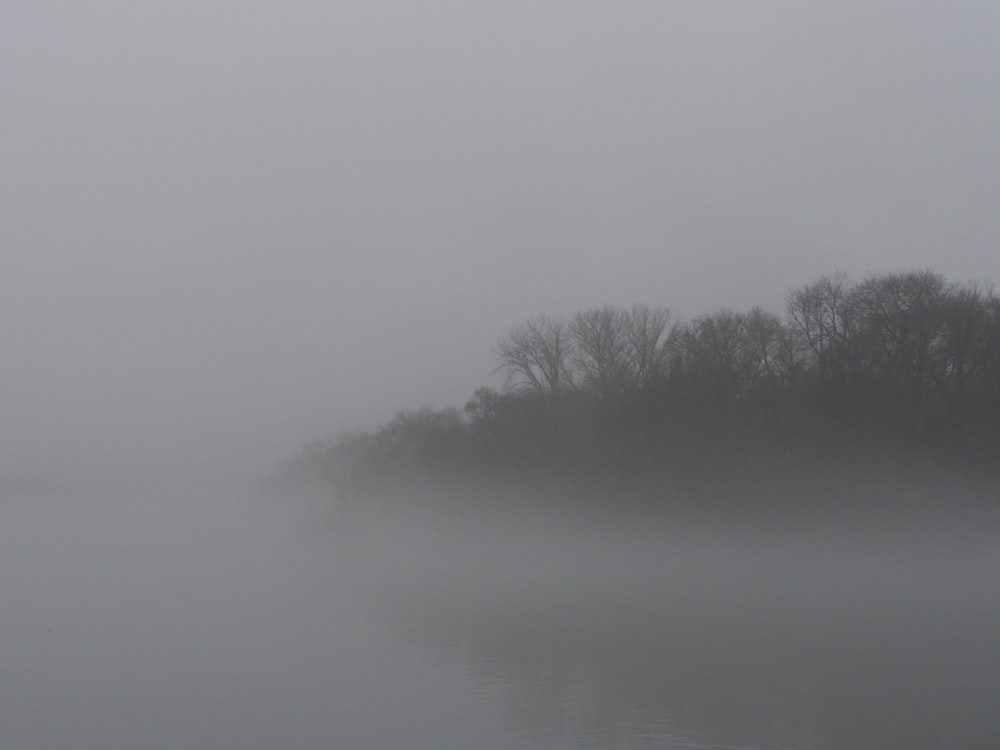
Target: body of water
[{"x": 196, "y": 620}]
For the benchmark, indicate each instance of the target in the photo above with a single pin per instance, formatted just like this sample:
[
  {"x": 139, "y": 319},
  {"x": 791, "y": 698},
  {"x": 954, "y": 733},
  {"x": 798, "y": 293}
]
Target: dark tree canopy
[{"x": 899, "y": 364}]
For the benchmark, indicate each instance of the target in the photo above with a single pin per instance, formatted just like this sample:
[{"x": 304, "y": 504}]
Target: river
[{"x": 211, "y": 619}]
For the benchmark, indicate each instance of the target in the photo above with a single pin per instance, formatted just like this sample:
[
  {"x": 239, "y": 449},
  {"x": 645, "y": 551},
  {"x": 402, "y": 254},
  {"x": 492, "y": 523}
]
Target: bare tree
[
  {"x": 535, "y": 357},
  {"x": 821, "y": 314},
  {"x": 647, "y": 330},
  {"x": 619, "y": 353},
  {"x": 765, "y": 347},
  {"x": 967, "y": 346},
  {"x": 601, "y": 351},
  {"x": 714, "y": 348},
  {"x": 903, "y": 313}
]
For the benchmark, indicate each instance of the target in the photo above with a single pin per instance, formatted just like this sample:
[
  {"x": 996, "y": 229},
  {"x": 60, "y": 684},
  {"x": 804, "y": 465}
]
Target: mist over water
[
  {"x": 227, "y": 619},
  {"x": 732, "y": 259},
  {"x": 201, "y": 620},
  {"x": 714, "y": 637}
]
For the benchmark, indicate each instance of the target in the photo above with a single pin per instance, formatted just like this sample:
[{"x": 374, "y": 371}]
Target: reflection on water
[
  {"x": 208, "y": 622},
  {"x": 692, "y": 643}
]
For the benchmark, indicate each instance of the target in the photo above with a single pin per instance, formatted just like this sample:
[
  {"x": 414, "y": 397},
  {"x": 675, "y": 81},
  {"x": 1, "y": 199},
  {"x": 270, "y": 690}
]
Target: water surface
[{"x": 217, "y": 619}]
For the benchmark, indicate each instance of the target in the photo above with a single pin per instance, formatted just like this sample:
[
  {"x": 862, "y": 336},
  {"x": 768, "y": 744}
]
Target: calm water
[{"x": 190, "y": 621}]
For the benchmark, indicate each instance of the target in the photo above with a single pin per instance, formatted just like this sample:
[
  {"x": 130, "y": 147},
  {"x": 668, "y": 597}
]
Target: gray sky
[{"x": 229, "y": 227}]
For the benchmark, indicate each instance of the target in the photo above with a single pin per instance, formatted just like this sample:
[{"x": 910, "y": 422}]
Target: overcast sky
[{"x": 230, "y": 227}]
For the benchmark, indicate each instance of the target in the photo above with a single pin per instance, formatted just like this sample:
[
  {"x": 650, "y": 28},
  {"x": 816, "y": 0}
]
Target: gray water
[{"x": 222, "y": 620}]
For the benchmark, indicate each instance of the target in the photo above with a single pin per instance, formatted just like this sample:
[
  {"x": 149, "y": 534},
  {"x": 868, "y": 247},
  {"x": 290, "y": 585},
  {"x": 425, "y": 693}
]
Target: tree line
[{"x": 894, "y": 366}]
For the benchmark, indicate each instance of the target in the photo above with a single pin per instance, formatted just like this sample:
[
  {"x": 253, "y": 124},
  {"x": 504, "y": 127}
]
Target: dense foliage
[{"x": 878, "y": 372}]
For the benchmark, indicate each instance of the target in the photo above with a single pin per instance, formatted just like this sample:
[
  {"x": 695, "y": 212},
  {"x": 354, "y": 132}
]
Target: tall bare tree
[
  {"x": 535, "y": 357},
  {"x": 766, "y": 349},
  {"x": 821, "y": 314},
  {"x": 601, "y": 351},
  {"x": 647, "y": 330},
  {"x": 714, "y": 348},
  {"x": 619, "y": 353}
]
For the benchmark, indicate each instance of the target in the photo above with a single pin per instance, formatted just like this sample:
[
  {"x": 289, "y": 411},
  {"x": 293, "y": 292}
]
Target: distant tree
[
  {"x": 990, "y": 358},
  {"x": 602, "y": 352},
  {"x": 535, "y": 357},
  {"x": 422, "y": 437},
  {"x": 715, "y": 351},
  {"x": 821, "y": 314},
  {"x": 896, "y": 365},
  {"x": 967, "y": 345},
  {"x": 971, "y": 361},
  {"x": 904, "y": 313},
  {"x": 647, "y": 330},
  {"x": 620, "y": 352},
  {"x": 766, "y": 347},
  {"x": 482, "y": 410}
]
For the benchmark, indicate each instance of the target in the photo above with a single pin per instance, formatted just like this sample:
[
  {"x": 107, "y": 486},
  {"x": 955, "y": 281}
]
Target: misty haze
[{"x": 563, "y": 375}]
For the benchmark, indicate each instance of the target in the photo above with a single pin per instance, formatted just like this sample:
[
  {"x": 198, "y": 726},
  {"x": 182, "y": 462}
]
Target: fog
[
  {"x": 232, "y": 227},
  {"x": 231, "y": 230},
  {"x": 701, "y": 638},
  {"x": 232, "y": 620}
]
